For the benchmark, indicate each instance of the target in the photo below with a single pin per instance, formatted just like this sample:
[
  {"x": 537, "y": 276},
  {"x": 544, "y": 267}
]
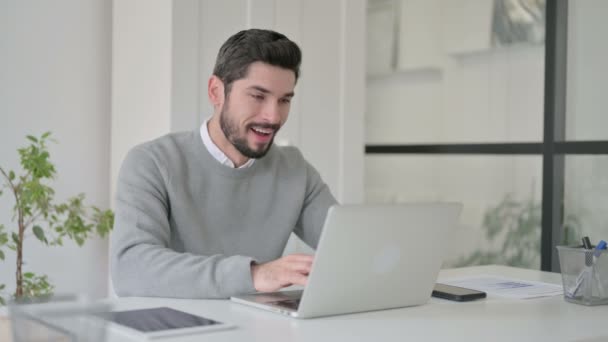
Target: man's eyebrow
[{"x": 266, "y": 91}]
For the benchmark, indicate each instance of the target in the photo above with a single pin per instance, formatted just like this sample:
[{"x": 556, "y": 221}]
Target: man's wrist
[{"x": 254, "y": 267}]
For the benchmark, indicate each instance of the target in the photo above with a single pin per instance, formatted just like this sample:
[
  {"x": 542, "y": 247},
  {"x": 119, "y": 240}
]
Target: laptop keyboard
[{"x": 288, "y": 303}]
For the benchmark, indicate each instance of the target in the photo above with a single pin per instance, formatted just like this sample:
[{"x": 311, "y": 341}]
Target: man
[{"x": 207, "y": 214}]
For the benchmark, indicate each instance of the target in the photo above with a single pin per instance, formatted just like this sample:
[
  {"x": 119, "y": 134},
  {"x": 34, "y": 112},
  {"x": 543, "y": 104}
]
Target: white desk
[{"x": 492, "y": 319}]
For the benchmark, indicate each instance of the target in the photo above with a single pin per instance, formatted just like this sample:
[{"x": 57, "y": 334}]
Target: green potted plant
[
  {"x": 517, "y": 225},
  {"x": 35, "y": 213}
]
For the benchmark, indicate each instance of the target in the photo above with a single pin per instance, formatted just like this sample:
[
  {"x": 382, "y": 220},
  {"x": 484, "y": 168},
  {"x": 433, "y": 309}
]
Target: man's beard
[{"x": 231, "y": 131}]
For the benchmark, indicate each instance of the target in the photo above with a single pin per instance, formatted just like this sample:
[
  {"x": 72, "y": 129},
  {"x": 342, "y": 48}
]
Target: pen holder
[{"x": 584, "y": 275}]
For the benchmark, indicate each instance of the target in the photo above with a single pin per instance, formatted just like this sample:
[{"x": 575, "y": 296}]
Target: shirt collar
[{"x": 216, "y": 152}]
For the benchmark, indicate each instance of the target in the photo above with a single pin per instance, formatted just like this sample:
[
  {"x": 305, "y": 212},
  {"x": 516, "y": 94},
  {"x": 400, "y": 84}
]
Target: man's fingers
[
  {"x": 299, "y": 258},
  {"x": 300, "y": 262},
  {"x": 288, "y": 270},
  {"x": 294, "y": 273},
  {"x": 301, "y": 267},
  {"x": 297, "y": 278}
]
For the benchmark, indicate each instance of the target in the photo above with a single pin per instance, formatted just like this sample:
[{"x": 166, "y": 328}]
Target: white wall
[
  {"x": 55, "y": 75},
  {"x": 142, "y": 74},
  {"x": 185, "y": 101}
]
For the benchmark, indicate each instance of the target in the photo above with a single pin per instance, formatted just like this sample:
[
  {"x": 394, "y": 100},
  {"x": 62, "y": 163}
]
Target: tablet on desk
[{"x": 156, "y": 323}]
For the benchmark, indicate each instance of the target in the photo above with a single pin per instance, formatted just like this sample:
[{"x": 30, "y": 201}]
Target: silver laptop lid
[{"x": 373, "y": 257}]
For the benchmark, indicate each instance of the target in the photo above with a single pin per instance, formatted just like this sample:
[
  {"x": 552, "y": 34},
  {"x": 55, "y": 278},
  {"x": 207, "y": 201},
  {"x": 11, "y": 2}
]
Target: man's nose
[{"x": 272, "y": 112}]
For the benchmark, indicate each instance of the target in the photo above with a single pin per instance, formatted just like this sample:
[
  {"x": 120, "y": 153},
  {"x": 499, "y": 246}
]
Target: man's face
[{"x": 256, "y": 108}]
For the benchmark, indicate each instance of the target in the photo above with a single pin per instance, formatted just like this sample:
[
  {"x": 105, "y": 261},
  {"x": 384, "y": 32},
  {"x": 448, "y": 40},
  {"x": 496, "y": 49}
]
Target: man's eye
[
  {"x": 286, "y": 100},
  {"x": 258, "y": 97}
]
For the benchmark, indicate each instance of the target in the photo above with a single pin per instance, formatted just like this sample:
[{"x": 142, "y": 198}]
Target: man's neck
[{"x": 219, "y": 139}]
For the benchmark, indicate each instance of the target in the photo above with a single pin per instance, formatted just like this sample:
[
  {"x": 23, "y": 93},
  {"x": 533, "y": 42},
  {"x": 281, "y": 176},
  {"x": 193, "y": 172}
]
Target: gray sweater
[{"x": 188, "y": 227}]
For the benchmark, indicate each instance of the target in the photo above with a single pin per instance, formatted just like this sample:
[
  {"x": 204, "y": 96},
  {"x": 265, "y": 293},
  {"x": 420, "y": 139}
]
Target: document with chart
[{"x": 506, "y": 287}]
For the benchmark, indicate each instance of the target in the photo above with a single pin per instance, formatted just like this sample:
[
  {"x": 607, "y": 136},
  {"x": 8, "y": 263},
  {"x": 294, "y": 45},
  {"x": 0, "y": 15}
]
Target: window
[{"x": 480, "y": 115}]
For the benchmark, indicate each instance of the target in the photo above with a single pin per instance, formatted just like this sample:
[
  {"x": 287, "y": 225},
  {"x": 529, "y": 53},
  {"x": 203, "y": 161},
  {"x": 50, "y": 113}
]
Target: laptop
[{"x": 370, "y": 257}]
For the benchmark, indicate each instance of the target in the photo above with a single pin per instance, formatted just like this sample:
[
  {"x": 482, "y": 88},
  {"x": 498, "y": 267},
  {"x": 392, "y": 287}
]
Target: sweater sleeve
[
  {"x": 142, "y": 263},
  {"x": 317, "y": 201}
]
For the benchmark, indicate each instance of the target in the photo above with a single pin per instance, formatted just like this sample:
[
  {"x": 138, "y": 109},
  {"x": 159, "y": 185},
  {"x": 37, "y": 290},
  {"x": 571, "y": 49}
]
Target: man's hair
[{"x": 255, "y": 45}]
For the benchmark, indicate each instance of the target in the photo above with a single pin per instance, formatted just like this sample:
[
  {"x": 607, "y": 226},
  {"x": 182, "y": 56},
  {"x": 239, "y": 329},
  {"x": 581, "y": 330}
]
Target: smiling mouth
[{"x": 262, "y": 131}]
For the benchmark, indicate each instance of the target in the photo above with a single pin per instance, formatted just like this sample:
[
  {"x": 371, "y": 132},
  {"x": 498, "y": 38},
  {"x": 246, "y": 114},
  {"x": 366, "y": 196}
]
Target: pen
[
  {"x": 598, "y": 249},
  {"x": 590, "y": 263},
  {"x": 596, "y": 254},
  {"x": 587, "y": 245},
  {"x": 587, "y": 271}
]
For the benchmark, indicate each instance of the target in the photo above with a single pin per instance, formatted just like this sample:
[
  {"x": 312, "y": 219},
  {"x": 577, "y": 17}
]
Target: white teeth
[{"x": 263, "y": 131}]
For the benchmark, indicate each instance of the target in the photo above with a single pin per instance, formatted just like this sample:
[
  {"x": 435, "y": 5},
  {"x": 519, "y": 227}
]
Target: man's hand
[{"x": 286, "y": 271}]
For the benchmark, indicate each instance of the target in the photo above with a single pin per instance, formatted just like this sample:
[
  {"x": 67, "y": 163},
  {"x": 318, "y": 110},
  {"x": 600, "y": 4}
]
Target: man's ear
[{"x": 215, "y": 91}]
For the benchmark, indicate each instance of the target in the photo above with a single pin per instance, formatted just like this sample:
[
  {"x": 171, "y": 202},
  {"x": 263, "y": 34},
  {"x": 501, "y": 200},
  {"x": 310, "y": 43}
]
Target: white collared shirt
[{"x": 216, "y": 152}]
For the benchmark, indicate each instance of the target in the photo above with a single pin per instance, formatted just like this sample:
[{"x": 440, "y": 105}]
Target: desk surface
[{"x": 492, "y": 319}]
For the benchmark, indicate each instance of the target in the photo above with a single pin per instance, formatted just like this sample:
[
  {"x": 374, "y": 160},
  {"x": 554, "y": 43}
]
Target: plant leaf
[
  {"x": 36, "y": 286},
  {"x": 3, "y": 237},
  {"x": 40, "y": 234},
  {"x": 11, "y": 175},
  {"x": 46, "y": 135},
  {"x": 1, "y": 258},
  {"x": 2, "y": 302},
  {"x": 35, "y": 160},
  {"x": 104, "y": 221},
  {"x": 32, "y": 138},
  {"x": 28, "y": 275},
  {"x": 15, "y": 238},
  {"x": 2, "y": 286}
]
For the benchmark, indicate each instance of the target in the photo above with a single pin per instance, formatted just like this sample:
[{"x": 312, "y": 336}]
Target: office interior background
[{"x": 399, "y": 101}]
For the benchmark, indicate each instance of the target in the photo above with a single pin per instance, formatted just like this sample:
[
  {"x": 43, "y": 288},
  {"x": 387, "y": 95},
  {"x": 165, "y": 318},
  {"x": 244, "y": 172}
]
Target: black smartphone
[{"x": 456, "y": 293}]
